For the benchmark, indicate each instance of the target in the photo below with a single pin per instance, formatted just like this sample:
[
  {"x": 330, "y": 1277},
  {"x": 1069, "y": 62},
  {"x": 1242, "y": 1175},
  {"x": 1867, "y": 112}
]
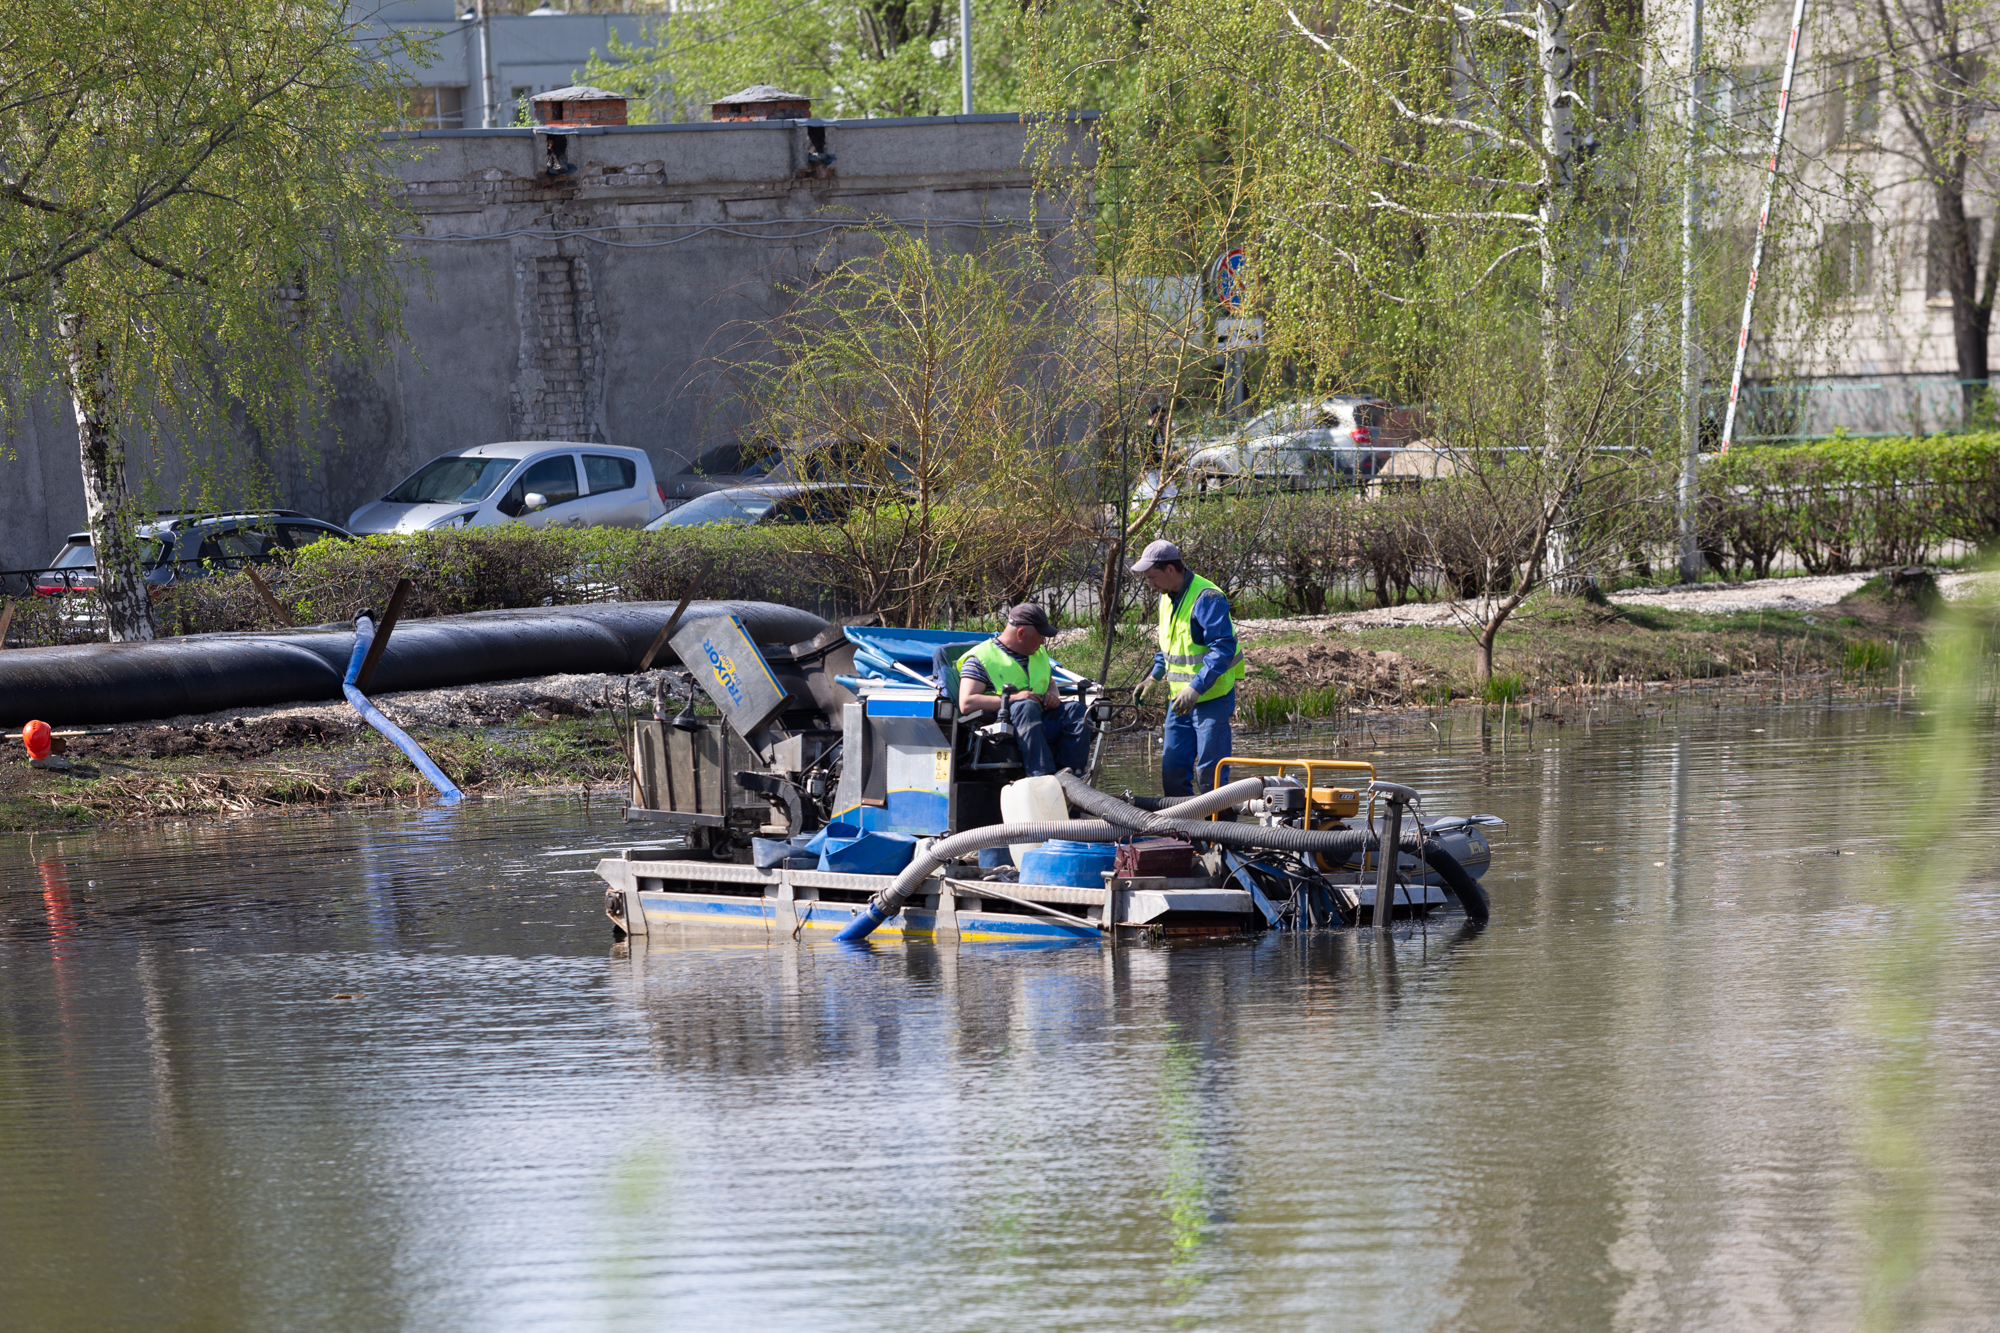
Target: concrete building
[
  {"x": 608, "y": 303},
  {"x": 1878, "y": 356},
  {"x": 484, "y": 71}
]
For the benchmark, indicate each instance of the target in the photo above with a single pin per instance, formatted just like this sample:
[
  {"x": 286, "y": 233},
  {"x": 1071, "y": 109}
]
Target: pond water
[{"x": 385, "y": 1069}]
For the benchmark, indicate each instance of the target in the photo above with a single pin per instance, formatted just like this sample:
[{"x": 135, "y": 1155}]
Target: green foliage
[
  {"x": 876, "y": 58},
  {"x": 1503, "y": 687},
  {"x": 942, "y": 382},
  {"x": 481, "y": 569},
  {"x": 1846, "y": 504},
  {"x": 1867, "y": 655},
  {"x": 1276, "y": 710},
  {"x": 197, "y": 230}
]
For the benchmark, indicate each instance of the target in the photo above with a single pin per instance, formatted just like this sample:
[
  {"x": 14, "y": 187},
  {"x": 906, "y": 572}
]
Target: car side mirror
[{"x": 534, "y": 500}]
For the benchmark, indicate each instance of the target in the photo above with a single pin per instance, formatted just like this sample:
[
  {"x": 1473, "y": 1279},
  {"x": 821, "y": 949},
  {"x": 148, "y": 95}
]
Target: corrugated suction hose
[
  {"x": 1345, "y": 843},
  {"x": 890, "y": 901}
]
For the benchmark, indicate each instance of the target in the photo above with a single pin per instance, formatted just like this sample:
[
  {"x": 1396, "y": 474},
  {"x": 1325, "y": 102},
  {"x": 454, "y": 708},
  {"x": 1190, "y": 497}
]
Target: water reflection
[{"x": 1626, "y": 1104}]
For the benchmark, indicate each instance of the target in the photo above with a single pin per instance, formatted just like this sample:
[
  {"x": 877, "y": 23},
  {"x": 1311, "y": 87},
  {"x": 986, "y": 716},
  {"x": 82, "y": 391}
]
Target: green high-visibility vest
[
  {"x": 1003, "y": 668},
  {"x": 1185, "y": 656}
]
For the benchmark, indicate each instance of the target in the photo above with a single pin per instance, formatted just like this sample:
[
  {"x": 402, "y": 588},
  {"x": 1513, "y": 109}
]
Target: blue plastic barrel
[{"x": 1059, "y": 861}]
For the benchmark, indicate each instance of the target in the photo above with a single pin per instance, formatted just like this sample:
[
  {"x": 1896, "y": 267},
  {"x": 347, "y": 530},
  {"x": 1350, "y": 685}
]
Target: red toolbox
[{"x": 1168, "y": 857}]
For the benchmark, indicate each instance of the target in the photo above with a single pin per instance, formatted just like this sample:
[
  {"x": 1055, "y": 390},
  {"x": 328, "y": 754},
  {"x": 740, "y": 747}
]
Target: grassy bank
[
  {"x": 155, "y": 772},
  {"x": 1554, "y": 644}
]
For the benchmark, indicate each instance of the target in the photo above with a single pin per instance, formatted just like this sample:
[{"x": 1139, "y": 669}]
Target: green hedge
[
  {"x": 1837, "y": 505},
  {"x": 478, "y": 569},
  {"x": 1846, "y": 504}
]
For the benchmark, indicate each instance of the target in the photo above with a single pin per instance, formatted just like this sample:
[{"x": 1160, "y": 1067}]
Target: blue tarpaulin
[{"x": 904, "y": 655}]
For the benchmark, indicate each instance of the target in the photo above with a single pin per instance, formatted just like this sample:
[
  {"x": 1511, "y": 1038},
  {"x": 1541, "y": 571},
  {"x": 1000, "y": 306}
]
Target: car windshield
[
  {"x": 721, "y": 507},
  {"x": 1286, "y": 417},
  {"x": 452, "y": 480},
  {"x": 78, "y": 555}
]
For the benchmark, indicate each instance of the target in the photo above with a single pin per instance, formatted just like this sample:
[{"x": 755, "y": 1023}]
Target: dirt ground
[{"x": 1366, "y": 673}]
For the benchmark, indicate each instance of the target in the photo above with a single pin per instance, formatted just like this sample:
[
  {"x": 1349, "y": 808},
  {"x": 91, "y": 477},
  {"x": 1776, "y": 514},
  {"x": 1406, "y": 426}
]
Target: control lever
[{"x": 1006, "y": 721}]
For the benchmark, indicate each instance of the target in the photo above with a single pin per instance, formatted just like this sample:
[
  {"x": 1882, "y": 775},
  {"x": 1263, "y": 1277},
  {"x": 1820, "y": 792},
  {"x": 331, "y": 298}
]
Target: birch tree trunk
[
  {"x": 121, "y": 582},
  {"x": 1556, "y": 59}
]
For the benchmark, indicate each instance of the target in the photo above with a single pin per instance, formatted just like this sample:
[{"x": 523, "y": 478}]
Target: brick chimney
[
  {"x": 577, "y": 106},
  {"x": 760, "y": 101}
]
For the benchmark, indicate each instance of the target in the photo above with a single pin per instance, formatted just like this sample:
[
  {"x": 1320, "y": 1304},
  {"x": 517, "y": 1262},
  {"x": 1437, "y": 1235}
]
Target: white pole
[
  {"x": 1763, "y": 222},
  {"x": 485, "y": 68},
  {"x": 965, "y": 57},
  {"x": 1690, "y": 561}
]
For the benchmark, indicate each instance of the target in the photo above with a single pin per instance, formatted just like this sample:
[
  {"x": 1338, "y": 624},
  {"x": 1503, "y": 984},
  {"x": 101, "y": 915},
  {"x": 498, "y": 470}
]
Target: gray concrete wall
[{"x": 608, "y": 305}]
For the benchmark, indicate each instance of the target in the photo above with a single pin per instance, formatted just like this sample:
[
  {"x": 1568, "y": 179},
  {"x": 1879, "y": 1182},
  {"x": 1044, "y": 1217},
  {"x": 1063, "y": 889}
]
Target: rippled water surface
[{"x": 386, "y": 1070}]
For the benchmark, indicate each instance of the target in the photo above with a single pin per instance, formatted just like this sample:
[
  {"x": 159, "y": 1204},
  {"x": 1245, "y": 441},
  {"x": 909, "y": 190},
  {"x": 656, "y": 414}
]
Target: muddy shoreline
[{"x": 1560, "y": 660}]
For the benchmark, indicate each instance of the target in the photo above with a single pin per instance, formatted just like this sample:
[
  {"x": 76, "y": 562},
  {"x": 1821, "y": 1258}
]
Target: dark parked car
[{"x": 177, "y": 547}]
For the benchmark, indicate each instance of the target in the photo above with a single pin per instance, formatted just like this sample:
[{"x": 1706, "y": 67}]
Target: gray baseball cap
[
  {"x": 1158, "y": 553},
  {"x": 1033, "y": 616}
]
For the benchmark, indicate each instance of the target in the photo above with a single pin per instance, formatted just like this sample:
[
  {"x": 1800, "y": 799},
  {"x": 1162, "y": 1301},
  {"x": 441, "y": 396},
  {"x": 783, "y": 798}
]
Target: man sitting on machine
[{"x": 1012, "y": 671}]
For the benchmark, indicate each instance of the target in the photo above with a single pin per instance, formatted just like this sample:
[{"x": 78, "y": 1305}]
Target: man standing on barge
[{"x": 1199, "y": 660}]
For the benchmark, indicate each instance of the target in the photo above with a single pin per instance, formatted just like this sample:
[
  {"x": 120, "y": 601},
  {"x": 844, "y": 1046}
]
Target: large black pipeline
[
  {"x": 200, "y": 673},
  {"x": 1344, "y": 843}
]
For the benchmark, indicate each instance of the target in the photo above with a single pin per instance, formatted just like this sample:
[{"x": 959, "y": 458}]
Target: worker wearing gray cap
[
  {"x": 1053, "y": 734},
  {"x": 1199, "y": 660}
]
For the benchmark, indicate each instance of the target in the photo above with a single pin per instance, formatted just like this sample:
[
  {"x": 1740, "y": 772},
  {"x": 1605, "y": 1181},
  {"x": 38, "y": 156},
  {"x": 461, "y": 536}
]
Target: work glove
[
  {"x": 1184, "y": 700},
  {"x": 1139, "y": 690}
]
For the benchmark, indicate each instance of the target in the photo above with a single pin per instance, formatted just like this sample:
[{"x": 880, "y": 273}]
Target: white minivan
[{"x": 536, "y": 482}]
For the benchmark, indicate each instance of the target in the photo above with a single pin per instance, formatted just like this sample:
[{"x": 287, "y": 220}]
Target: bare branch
[{"x": 1414, "y": 117}]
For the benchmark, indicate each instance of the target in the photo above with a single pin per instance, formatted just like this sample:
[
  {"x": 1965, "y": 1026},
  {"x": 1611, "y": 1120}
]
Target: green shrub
[
  {"x": 1846, "y": 504},
  {"x": 1870, "y": 655},
  {"x": 1503, "y": 688},
  {"x": 480, "y": 569}
]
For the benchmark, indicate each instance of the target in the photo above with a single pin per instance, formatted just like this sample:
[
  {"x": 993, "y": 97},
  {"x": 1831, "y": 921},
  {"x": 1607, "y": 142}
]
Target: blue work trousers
[
  {"x": 1050, "y": 741},
  {"x": 1195, "y": 743}
]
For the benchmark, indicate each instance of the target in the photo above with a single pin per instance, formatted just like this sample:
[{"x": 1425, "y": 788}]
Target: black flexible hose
[
  {"x": 1345, "y": 843},
  {"x": 1458, "y": 879}
]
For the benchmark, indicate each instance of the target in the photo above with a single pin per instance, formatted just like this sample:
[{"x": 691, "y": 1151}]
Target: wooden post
[
  {"x": 666, "y": 630},
  {"x": 382, "y": 631},
  {"x": 1388, "y": 851},
  {"x": 264, "y": 591},
  {"x": 7, "y": 619}
]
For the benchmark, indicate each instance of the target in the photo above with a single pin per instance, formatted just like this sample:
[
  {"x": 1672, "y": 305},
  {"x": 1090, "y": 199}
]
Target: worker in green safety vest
[
  {"x": 1053, "y": 734},
  {"x": 1200, "y": 663}
]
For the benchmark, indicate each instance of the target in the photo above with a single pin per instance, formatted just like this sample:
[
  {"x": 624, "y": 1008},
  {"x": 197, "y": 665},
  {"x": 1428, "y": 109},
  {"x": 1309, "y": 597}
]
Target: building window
[
  {"x": 1937, "y": 257},
  {"x": 433, "y": 109},
  {"x": 1854, "y": 101},
  {"x": 1847, "y": 260},
  {"x": 1743, "y": 97}
]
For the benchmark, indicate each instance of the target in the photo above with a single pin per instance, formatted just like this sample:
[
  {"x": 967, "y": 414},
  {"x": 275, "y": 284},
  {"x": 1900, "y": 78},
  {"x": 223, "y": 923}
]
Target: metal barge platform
[{"x": 653, "y": 891}]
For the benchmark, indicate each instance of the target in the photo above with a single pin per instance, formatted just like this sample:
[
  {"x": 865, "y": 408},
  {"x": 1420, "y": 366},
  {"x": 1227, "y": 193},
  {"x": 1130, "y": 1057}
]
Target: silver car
[
  {"x": 540, "y": 483},
  {"x": 768, "y": 502},
  {"x": 1314, "y": 441}
]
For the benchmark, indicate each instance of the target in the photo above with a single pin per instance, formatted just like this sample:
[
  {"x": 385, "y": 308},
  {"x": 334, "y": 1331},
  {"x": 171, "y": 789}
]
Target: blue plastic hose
[{"x": 364, "y": 638}]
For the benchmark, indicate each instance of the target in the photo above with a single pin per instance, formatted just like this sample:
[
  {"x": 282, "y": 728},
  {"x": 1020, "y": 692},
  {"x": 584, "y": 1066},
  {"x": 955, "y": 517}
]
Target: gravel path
[{"x": 1787, "y": 594}]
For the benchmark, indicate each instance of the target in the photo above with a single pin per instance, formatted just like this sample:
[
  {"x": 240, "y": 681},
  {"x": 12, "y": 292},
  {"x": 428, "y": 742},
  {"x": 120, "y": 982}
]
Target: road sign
[
  {"x": 1235, "y": 334},
  {"x": 1229, "y": 278}
]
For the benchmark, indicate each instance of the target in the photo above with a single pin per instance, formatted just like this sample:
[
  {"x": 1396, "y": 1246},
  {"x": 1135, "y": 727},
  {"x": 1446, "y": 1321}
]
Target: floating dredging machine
[{"x": 842, "y": 790}]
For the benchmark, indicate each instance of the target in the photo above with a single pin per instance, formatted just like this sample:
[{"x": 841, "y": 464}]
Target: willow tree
[
  {"x": 941, "y": 386},
  {"x": 197, "y": 228},
  {"x": 1465, "y": 206},
  {"x": 872, "y": 58}
]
